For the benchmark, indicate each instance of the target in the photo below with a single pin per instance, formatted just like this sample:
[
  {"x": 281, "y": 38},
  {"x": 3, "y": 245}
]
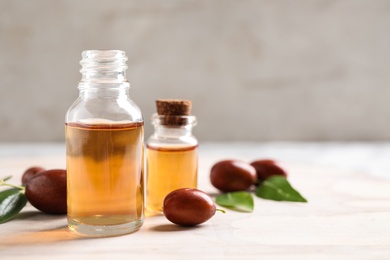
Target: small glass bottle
[
  {"x": 104, "y": 150},
  {"x": 172, "y": 156}
]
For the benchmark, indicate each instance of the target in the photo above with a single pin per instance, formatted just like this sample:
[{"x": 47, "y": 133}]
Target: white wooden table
[{"x": 347, "y": 217}]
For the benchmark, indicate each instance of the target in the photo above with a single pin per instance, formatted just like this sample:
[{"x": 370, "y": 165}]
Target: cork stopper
[{"x": 174, "y": 111}]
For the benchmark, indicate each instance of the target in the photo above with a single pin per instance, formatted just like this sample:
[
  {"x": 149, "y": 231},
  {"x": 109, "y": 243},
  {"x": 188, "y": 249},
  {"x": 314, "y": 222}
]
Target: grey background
[{"x": 255, "y": 70}]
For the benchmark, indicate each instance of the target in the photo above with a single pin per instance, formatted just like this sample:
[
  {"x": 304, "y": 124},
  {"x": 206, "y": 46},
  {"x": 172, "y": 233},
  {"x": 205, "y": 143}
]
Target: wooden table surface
[{"x": 347, "y": 217}]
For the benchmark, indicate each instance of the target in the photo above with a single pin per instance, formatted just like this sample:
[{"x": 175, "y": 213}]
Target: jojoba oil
[{"x": 105, "y": 175}]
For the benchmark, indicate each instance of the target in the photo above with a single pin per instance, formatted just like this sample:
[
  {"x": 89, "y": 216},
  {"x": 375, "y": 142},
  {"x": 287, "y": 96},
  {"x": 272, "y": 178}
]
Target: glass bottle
[
  {"x": 104, "y": 150},
  {"x": 172, "y": 159}
]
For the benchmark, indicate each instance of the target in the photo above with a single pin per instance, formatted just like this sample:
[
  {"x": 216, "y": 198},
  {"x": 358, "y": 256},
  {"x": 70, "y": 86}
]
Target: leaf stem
[
  {"x": 221, "y": 210},
  {"x": 3, "y": 183}
]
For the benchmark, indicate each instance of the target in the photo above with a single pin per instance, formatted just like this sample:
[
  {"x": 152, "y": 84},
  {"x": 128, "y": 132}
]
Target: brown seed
[
  {"x": 266, "y": 168},
  {"x": 46, "y": 191},
  {"x": 29, "y": 173},
  {"x": 232, "y": 175},
  {"x": 188, "y": 207}
]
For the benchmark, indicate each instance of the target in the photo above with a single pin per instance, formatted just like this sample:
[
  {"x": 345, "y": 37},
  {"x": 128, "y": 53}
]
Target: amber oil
[
  {"x": 105, "y": 178},
  {"x": 169, "y": 169}
]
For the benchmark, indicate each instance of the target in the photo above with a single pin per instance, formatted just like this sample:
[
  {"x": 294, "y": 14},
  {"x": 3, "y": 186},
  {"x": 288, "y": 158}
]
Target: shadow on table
[
  {"x": 171, "y": 227},
  {"x": 27, "y": 215},
  {"x": 42, "y": 228},
  {"x": 40, "y": 237}
]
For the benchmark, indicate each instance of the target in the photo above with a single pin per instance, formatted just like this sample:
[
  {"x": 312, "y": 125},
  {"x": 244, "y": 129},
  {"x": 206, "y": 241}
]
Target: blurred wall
[{"x": 255, "y": 70}]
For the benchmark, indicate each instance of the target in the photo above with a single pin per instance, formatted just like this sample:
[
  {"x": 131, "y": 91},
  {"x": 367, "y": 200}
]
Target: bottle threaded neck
[{"x": 103, "y": 67}]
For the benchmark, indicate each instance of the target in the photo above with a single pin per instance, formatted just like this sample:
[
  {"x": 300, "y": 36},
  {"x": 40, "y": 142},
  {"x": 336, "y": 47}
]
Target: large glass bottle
[
  {"x": 104, "y": 150},
  {"x": 172, "y": 157}
]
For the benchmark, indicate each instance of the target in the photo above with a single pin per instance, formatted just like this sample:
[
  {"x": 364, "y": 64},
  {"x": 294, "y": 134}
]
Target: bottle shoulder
[{"x": 108, "y": 108}]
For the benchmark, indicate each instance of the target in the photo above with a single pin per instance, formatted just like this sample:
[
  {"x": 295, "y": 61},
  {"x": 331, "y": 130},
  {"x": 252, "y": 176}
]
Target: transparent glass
[
  {"x": 104, "y": 150},
  {"x": 172, "y": 160}
]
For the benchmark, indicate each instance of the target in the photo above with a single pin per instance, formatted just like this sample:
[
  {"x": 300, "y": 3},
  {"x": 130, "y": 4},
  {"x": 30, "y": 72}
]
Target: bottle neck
[
  {"x": 174, "y": 127},
  {"x": 103, "y": 69},
  {"x": 163, "y": 131},
  {"x": 96, "y": 92}
]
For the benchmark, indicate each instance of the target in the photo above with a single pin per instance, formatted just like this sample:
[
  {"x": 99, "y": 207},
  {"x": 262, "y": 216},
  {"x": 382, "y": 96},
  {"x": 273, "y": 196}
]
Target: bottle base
[{"x": 104, "y": 230}]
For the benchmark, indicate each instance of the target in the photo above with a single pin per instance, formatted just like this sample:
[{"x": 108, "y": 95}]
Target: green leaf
[
  {"x": 279, "y": 189},
  {"x": 5, "y": 193},
  {"x": 239, "y": 200},
  {"x": 11, "y": 204}
]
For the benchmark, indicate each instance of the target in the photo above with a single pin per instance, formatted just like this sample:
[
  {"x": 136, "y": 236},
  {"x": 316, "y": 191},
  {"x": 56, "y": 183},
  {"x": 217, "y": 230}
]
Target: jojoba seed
[
  {"x": 188, "y": 207},
  {"x": 266, "y": 168},
  {"x": 29, "y": 173},
  {"x": 232, "y": 175},
  {"x": 46, "y": 191}
]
